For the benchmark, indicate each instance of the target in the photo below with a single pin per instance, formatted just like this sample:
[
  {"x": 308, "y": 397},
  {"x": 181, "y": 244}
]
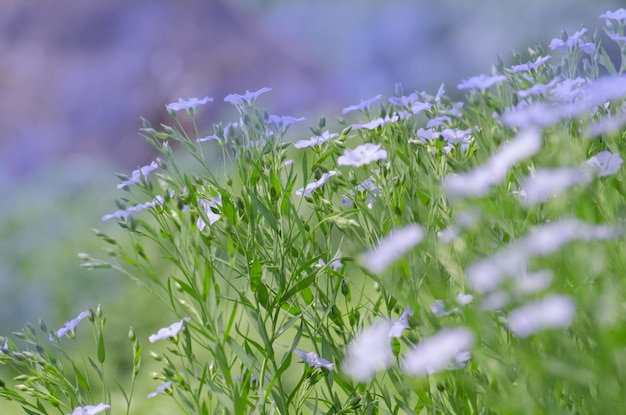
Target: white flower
[
  {"x": 445, "y": 350},
  {"x": 170, "y": 331},
  {"x": 90, "y": 409},
  {"x": 70, "y": 326},
  {"x": 313, "y": 360},
  {"x": 136, "y": 175},
  {"x": 315, "y": 140},
  {"x": 362, "y": 155},
  {"x": 369, "y": 352},
  {"x": 160, "y": 390},
  {"x": 207, "y": 206},
  {"x": 551, "y": 312},
  {"x": 392, "y": 247},
  {"x": 401, "y": 323},
  {"x": 311, "y": 187},
  {"x": 187, "y": 104}
]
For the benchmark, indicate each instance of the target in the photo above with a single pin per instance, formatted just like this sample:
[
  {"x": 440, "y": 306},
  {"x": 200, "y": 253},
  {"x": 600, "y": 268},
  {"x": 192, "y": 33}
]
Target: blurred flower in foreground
[
  {"x": 392, "y": 247},
  {"x": 136, "y": 175},
  {"x": 311, "y": 187},
  {"x": 188, "y": 105},
  {"x": 90, "y": 409},
  {"x": 551, "y": 312},
  {"x": 478, "y": 181},
  {"x": 362, "y": 155},
  {"x": 170, "y": 331},
  {"x": 369, "y": 352},
  {"x": 160, "y": 390},
  {"x": 247, "y": 98},
  {"x": 481, "y": 82},
  {"x": 605, "y": 163},
  {"x": 448, "y": 349},
  {"x": 313, "y": 360},
  {"x": 363, "y": 105},
  {"x": 486, "y": 274},
  {"x": 69, "y": 326},
  {"x": 401, "y": 324}
]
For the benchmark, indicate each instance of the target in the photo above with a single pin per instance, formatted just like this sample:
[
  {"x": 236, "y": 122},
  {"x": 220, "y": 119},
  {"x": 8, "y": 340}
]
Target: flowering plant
[{"x": 428, "y": 257}]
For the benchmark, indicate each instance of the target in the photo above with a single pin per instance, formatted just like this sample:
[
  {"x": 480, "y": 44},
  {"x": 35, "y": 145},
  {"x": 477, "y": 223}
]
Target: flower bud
[{"x": 131, "y": 335}]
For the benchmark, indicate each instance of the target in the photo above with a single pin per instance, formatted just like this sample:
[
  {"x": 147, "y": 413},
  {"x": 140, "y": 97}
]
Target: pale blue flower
[
  {"x": 160, "y": 390},
  {"x": 247, "y": 98},
  {"x": 69, "y": 327},
  {"x": 529, "y": 66},
  {"x": 401, "y": 324},
  {"x": 335, "y": 264},
  {"x": 481, "y": 82},
  {"x": 362, "y": 155},
  {"x": 213, "y": 137},
  {"x": 538, "y": 89},
  {"x": 570, "y": 43},
  {"x": 479, "y": 181},
  {"x": 208, "y": 206},
  {"x": 393, "y": 246},
  {"x": 283, "y": 122},
  {"x": 439, "y": 309},
  {"x": 187, "y": 104},
  {"x": 170, "y": 331},
  {"x": 368, "y": 187},
  {"x": 551, "y": 312},
  {"x": 438, "y": 121},
  {"x": 313, "y": 360},
  {"x": 120, "y": 214},
  {"x": 445, "y": 350},
  {"x": 369, "y": 352},
  {"x": 550, "y": 182},
  {"x": 363, "y": 105},
  {"x": 136, "y": 175},
  {"x": 90, "y": 409},
  {"x": 311, "y": 187},
  {"x": 616, "y": 37},
  {"x": 315, "y": 140},
  {"x": 376, "y": 122},
  {"x": 605, "y": 163},
  {"x": 618, "y": 15}
]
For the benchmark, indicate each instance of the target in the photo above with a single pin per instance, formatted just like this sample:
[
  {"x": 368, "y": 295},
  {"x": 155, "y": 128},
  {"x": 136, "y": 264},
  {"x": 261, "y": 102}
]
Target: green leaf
[
  {"x": 256, "y": 272},
  {"x": 101, "y": 351}
]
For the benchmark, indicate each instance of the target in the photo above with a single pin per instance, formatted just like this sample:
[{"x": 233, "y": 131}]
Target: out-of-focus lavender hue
[{"x": 75, "y": 76}]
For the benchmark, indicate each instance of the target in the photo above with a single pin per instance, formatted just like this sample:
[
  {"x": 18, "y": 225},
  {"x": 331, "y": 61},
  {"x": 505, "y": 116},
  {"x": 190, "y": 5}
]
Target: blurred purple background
[{"x": 76, "y": 75}]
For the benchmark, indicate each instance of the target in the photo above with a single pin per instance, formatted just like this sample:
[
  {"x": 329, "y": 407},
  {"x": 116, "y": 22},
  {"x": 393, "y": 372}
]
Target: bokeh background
[{"x": 76, "y": 75}]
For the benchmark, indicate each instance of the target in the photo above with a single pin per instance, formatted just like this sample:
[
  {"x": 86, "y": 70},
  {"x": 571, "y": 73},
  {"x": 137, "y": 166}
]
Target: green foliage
[{"x": 282, "y": 251}]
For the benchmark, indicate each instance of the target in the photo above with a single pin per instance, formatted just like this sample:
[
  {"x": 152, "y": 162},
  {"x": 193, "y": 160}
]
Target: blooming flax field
[{"x": 421, "y": 256}]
